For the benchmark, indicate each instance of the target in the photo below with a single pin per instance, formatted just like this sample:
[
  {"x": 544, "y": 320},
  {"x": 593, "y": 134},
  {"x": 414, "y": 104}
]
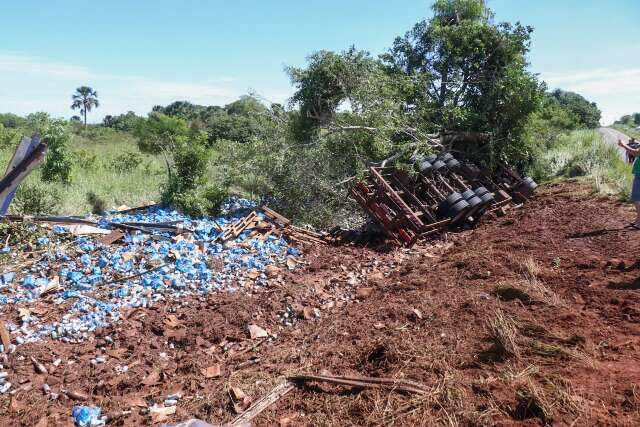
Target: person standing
[{"x": 635, "y": 189}]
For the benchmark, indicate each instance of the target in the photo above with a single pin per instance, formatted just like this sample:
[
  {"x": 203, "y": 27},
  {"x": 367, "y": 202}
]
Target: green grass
[
  {"x": 99, "y": 175},
  {"x": 584, "y": 153}
]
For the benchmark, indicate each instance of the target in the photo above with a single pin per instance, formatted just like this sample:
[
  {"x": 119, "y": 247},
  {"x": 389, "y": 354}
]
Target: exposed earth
[{"x": 533, "y": 318}]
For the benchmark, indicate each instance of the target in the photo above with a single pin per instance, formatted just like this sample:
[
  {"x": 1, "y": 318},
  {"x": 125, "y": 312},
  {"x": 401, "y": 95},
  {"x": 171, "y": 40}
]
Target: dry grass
[
  {"x": 565, "y": 397},
  {"x": 547, "y": 344},
  {"x": 533, "y": 402},
  {"x": 540, "y": 396},
  {"x": 530, "y": 271},
  {"x": 503, "y": 330}
]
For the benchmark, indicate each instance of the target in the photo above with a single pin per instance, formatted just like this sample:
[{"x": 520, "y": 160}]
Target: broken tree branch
[{"x": 365, "y": 382}]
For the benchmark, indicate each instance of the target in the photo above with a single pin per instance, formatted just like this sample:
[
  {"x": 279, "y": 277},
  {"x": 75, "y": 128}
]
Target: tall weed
[{"x": 584, "y": 153}]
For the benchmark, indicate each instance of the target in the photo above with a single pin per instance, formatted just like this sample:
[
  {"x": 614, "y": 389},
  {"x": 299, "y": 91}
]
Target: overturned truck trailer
[{"x": 431, "y": 193}]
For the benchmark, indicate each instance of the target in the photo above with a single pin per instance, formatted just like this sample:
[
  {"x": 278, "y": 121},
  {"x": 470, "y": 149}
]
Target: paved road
[{"x": 611, "y": 136}]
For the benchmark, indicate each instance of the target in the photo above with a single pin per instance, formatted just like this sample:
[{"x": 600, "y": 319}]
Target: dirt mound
[{"x": 531, "y": 318}]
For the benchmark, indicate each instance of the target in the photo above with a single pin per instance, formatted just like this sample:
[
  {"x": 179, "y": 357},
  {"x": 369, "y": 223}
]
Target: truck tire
[
  {"x": 445, "y": 157},
  {"x": 453, "y": 164},
  {"x": 468, "y": 194},
  {"x": 439, "y": 165},
  {"x": 481, "y": 191}
]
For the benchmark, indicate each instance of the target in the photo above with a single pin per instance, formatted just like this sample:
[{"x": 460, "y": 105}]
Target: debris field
[{"x": 531, "y": 318}]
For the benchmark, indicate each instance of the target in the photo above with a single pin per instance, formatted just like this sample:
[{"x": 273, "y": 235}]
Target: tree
[
  {"x": 122, "y": 122},
  {"x": 587, "y": 113},
  {"x": 187, "y": 158},
  {"x": 162, "y": 134},
  {"x": 239, "y": 121},
  {"x": 246, "y": 106},
  {"x": 58, "y": 164},
  {"x": 469, "y": 73},
  {"x": 12, "y": 121},
  {"x": 85, "y": 99}
]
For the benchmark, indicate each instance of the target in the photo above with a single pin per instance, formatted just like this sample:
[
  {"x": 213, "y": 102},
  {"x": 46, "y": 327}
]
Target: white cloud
[
  {"x": 31, "y": 84},
  {"x": 616, "y": 91},
  {"x": 27, "y": 65}
]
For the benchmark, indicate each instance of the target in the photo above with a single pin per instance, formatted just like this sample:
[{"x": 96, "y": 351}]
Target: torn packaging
[
  {"x": 25, "y": 148},
  {"x": 15, "y": 176}
]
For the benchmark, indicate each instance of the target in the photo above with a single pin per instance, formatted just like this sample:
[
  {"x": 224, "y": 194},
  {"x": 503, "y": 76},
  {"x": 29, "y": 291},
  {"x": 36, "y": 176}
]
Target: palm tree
[{"x": 85, "y": 99}]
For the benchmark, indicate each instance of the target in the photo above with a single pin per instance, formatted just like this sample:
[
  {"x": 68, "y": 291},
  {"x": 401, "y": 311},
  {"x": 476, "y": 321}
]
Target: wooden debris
[
  {"x": 363, "y": 293},
  {"x": 76, "y": 395},
  {"x": 263, "y": 403},
  {"x": 145, "y": 205},
  {"x": 239, "y": 399},
  {"x": 112, "y": 237},
  {"x": 294, "y": 233},
  {"x": 152, "y": 378},
  {"x": 256, "y": 332},
  {"x": 365, "y": 382},
  {"x": 5, "y": 337},
  {"x": 240, "y": 225},
  {"x": 52, "y": 286},
  {"x": 161, "y": 413},
  {"x": 212, "y": 371},
  {"x": 275, "y": 216},
  {"x": 172, "y": 321},
  {"x": 83, "y": 229}
]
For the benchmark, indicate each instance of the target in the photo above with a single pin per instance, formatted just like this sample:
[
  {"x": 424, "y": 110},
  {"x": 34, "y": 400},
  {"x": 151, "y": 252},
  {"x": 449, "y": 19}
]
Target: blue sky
[{"x": 140, "y": 53}]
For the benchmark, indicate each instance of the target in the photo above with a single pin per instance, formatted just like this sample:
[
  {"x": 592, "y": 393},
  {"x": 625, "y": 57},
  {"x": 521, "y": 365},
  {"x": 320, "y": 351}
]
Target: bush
[
  {"x": 123, "y": 122},
  {"x": 98, "y": 204},
  {"x": 126, "y": 161},
  {"x": 11, "y": 121},
  {"x": 36, "y": 199},
  {"x": 58, "y": 165},
  {"x": 94, "y": 133},
  {"x": 584, "y": 153},
  {"x": 8, "y": 137},
  {"x": 186, "y": 188},
  {"x": 85, "y": 159},
  {"x": 200, "y": 201}
]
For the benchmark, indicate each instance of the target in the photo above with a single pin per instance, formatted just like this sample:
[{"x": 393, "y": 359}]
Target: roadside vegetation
[
  {"x": 583, "y": 153},
  {"x": 629, "y": 125},
  {"x": 457, "y": 73}
]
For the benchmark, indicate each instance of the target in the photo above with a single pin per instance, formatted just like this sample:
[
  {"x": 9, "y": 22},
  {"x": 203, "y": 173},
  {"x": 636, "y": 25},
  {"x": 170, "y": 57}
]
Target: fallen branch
[
  {"x": 365, "y": 382},
  {"x": 136, "y": 275}
]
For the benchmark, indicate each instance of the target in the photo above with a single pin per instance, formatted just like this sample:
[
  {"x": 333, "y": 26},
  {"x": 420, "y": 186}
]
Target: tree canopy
[
  {"x": 239, "y": 121},
  {"x": 85, "y": 99},
  {"x": 585, "y": 112}
]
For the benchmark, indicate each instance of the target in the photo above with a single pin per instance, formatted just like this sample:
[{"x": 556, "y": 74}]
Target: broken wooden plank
[
  {"x": 263, "y": 403},
  {"x": 5, "y": 337},
  {"x": 275, "y": 216},
  {"x": 239, "y": 226},
  {"x": 112, "y": 237},
  {"x": 84, "y": 229}
]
